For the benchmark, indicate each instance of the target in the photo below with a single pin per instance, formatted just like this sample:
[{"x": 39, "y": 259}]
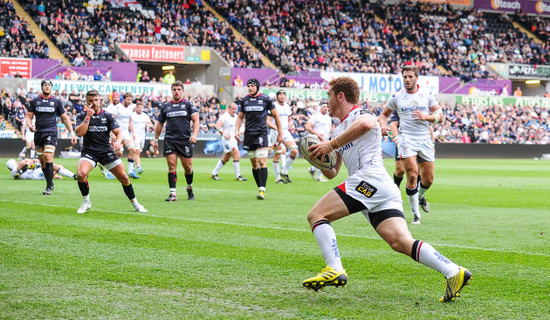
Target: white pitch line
[{"x": 306, "y": 229}]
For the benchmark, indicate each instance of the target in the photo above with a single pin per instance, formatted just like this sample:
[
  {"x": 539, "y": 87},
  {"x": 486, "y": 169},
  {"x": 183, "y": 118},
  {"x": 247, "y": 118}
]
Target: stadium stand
[
  {"x": 16, "y": 39},
  {"x": 92, "y": 30},
  {"x": 379, "y": 38}
]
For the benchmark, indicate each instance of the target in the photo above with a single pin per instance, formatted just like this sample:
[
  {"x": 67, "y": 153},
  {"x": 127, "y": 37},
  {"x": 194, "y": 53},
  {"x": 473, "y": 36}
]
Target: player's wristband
[
  {"x": 155, "y": 140},
  {"x": 86, "y": 121},
  {"x": 72, "y": 134}
]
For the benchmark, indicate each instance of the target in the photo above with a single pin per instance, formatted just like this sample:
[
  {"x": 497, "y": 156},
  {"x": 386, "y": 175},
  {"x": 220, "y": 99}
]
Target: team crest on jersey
[
  {"x": 51, "y": 103},
  {"x": 366, "y": 189}
]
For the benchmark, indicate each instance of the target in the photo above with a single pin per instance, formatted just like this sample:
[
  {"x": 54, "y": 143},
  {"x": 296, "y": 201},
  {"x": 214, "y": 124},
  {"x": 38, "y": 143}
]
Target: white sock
[
  {"x": 283, "y": 159},
  {"x": 130, "y": 165},
  {"x": 428, "y": 256},
  {"x": 412, "y": 195},
  {"x": 237, "y": 168},
  {"x": 65, "y": 172},
  {"x": 86, "y": 198},
  {"x": 33, "y": 153},
  {"x": 219, "y": 165},
  {"x": 276, "y": 170},
  {"x": 289, "y": 162},
  {"x": 261, "y": 189},
  {"x": 326, "y": 239}
]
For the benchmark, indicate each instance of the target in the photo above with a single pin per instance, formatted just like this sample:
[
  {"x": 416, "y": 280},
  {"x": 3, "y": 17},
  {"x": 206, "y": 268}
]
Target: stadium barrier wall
[{"x": 10, "y": 148}]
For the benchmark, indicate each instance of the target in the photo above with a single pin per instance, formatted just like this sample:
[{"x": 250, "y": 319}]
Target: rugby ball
[{"x": 329, "y": 160}]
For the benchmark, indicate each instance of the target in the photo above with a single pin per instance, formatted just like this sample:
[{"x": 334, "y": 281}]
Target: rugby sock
[
  {"x": 33, "y": 153},
  {"x": 172, "y": 178},
  {"x": 189, "y": 179},
  {"x": 237, "y": 168},
  {"x": 65, "y": 172},
  {"x": 256, "y": 174},
  {"x": 422, "y": 190},
  {"x": 397, "y": 180},
  {"x": 131, "y": 163},
  {"x": 412, "y": 195},
  {"x": 23, "y": 152},
  {"x": 219, "y": 165},
  {"x": 326, "y": 239},
  {"x": 283, "y": 159},
  {"x": 129, "y": 191},
  {"x": 84, "y": 188},
  {"x": 263, "y": 177},
  {"x": 276, "y": 170},
  {"x": 289, "y": 162},
  {"x": 48, "y": 173},
  {"x": 22, "y": 170},
  {"x": 425, "y": 254}
]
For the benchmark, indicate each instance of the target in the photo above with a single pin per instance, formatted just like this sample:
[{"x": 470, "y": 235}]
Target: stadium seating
[{"x": 16, "y": 40}]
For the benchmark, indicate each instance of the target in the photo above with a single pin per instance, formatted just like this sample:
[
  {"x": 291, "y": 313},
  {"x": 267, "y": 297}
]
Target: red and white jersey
[
  {"x": 405, "y": 103},
  {"x": 284, "y": 112},
  {"x": 140, "y": 122},
  {"x": 322, "y": 123},
  {"x": 228, "y": 124},
  {"x": 123, "y": 115},
  {"x": 364, "y": 153}
]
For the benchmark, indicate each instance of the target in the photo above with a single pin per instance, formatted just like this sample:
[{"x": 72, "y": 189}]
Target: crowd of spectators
[
  {"x": 90, "y": 35},
  {"x": 352, "y": 36},
  {"x": 360, "y": 36},
  {"x": 496, "y": 124},
  {"x": 16, "y": 39}
]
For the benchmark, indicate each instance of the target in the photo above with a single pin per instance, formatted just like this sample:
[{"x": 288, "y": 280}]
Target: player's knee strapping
[{"x": 49, "y": 149}]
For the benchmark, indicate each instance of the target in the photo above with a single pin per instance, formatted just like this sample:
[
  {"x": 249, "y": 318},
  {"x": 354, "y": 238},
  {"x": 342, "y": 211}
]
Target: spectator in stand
[
  {"x": 169, "y": 78},
  {"x": 98, "y": 76},
  {"x": 238, "y": 82},
  {"x": 145, "y": 77},
  {"x": 518, "y": 92},
  {"x": 109, "y": 75}
]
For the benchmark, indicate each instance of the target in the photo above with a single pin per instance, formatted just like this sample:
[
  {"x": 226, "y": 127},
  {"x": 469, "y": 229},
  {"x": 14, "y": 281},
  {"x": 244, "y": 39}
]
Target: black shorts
[
  {"x": 255, "y": 140},
  {"x": 375, "y": 218},
  {"x": 102, "y": 157},
  {"x": 182, "y": 147},
  {"x": 42, "y": 139}
]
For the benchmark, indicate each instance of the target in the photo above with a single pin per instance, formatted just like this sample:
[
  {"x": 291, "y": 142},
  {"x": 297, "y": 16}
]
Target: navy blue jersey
[
  {"x": 394, "y": 117},
  {"x": 46, "y": 112},
  {"x": 255, "y": 111},
  {"x": 98, "y": 135},
  {"x": 177, "y": 116}
]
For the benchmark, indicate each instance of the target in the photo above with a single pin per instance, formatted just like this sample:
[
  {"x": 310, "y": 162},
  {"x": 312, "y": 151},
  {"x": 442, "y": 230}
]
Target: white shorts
[
  {"x": 29, "y": 136},
  {"x": 272, "y": 137},
  {"x": 376, "y": 192},
  {"x": 229, "y": 145},
  {"x": 126, "y": 135},
  {"x": 139, "y": 142},
  {"x": 408, "y": 146}
]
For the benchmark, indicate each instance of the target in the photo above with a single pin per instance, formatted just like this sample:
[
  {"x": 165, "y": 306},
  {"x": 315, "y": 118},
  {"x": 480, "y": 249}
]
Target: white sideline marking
[{"x": 275, "y": 228}]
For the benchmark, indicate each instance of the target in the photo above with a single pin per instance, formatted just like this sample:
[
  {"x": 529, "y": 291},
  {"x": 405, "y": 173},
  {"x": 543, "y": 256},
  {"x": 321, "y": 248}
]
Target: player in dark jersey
[
  {"x": 178, "y": 139},
  {"x": 96, "y": 125},
  {"x": 46, "y": 108},
  {"x": 254, "y": 109}
]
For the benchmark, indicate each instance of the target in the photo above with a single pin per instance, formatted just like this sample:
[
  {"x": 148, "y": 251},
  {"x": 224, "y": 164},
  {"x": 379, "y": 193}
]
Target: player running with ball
[{"x": 369, "y": 189}]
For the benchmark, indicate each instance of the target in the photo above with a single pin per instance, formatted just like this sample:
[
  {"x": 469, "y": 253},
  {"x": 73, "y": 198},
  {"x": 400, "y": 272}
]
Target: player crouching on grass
[
  {"x": 369, "y": 189},
  {"x": 95, "y": 126}
]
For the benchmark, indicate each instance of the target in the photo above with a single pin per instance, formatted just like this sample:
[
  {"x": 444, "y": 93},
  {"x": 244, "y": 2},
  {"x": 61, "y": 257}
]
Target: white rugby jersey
[
  {"x": 140, "y": 122},
  {"x": 364, "y": 153},
  {"x": 229, "y": 122},
  {"x": 123, "y": 115},
  {"x": 284, "y": 112},
  {"x": 29, "y": 174},
  {"x": 405, "y": 103},
  {"x": 322, "y": 123}
]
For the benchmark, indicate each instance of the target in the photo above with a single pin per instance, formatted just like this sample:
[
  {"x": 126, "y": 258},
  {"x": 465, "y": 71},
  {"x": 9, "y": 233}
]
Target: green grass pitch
[{"x": 227, "y": 255}]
